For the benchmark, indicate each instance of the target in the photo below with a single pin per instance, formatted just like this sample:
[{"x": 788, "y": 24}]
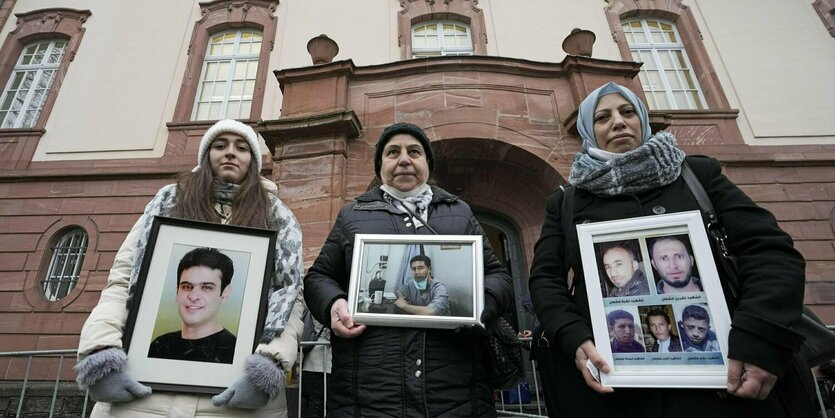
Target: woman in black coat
[
  {"x": 625, "y": 172},
  {"x": 403, "y": 372}
]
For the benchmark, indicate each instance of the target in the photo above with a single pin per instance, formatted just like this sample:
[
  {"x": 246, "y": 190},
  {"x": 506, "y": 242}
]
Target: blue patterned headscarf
[{"x": 585, "y": 117}]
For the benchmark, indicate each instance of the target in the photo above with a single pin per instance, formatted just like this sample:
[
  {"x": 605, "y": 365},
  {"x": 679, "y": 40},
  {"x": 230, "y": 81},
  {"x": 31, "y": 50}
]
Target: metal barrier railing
[
  {"x": 504, "y": 405},
  {"x": 30, "y": 357}
]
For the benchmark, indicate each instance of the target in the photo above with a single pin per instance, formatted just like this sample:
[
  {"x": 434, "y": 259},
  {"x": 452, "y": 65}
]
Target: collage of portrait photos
[{"x": 656, "y": 308}]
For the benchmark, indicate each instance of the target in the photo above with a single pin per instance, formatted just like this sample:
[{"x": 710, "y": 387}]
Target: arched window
[
  {"x": 667, "y": 76},
  {"x": 25, "y": 93},
  {"x": 65, "y": 264},
  {"x": 432, "y": 39},
  {"x": 227, "y": 80}
]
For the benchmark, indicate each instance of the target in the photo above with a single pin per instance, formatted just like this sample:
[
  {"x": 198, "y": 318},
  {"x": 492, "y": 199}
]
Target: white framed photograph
[
  {"x": 199, "y": 304},
  {"x": 657, "y": 307},
  {"x": 423, "y": 281}
]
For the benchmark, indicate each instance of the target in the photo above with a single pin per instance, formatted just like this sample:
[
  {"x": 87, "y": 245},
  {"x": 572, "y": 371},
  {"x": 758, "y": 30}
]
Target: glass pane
[
  {"x": 661, "y": 100},
  {"x": 249, "y": 87},
  {"x": 219, "y": 91},
  {"x": 202, "y": 111},
  {"x": 630, "y": 38},
  {"x": 449, "y": 29},
  {"x": 233, "y": 110},
  {"x": 211, "y": 71},
  {"x": 432, "y": 29},
  {"x": 666, "y": 59},
  {"x": 697, "y": 101},
  {"x": 237, "y": 90},
  {"x": 246, "y": 108},
  {"x": 419, "y": 42},
  {"x": 251, "y": 69},
  {"x": 227, "y": 49},
  {"x": 214, "y": 111},
  {"x": 682, "y": 60},
  {"x": 246, "y": 36},
  {"x": 223, "y": 70},
  {"x": 205, "y": 92},
  {"x": 681, "y": 100},
  {"x": 643, "y": 77},
  {"x": 214, "y": 49},
  {"x": 672, "y": 79},
  {"x": 432, "y": 42},
  {"x": 648, "y": 60},
  {"x": 653, "y": 25},
  {"x": 229, "y": 37},
  {"x": 240, "y": 70},
  {"x": 657, "y": 37},
  {"x": 671, "y": 37},
  {"x": 18, "y": 77},
  {"x": 635, "y": 25},
  {"x": 666, "y": 26},
  {"x": 688, "y": 80},
  {"x": 654, "y": 80},
  {"x": 640, "y": 38}
]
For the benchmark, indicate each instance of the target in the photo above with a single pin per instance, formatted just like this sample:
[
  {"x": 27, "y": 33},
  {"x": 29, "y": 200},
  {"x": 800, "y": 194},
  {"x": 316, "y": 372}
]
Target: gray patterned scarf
[
  {"x": 285, "y": 283},
  {"x": 656, "y": 163}
]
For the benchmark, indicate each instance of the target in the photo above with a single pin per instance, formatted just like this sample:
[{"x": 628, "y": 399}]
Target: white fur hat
[{"x": 231, "y": 126}]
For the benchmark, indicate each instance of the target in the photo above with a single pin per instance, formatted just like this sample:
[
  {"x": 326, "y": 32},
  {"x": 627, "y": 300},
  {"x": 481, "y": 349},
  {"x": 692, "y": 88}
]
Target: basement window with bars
[{"x": 65, "y": 263}]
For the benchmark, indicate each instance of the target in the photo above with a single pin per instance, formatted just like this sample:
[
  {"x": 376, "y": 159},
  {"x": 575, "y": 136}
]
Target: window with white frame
[
  {"x": 667, "y": 76},
  {"x": 434, "y": 39},
  {"x": 227, "y": 79},
  {"x": 65, "y": 263},
  {"x": 25, "y": 93}
]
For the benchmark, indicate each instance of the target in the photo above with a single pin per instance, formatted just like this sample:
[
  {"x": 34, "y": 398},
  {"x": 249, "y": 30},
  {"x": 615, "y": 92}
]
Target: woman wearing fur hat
[
  {"x": 225, "y": 187},
  {"x": 626, "y": 171},
  {"x": 402, "y": 372}
]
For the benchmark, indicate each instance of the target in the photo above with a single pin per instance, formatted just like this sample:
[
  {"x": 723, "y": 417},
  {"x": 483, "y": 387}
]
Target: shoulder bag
[{"x": 819, "y": 344}]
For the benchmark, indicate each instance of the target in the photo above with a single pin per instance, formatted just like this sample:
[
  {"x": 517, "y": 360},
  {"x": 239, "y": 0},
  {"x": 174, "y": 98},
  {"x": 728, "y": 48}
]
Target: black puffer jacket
[
  {"x": 771, "y": 274},
  {"x": 402, "y": 372}
]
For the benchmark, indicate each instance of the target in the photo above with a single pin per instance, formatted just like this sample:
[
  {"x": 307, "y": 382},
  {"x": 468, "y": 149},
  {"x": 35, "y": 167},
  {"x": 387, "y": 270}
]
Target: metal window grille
[
  {"x": 65, "y": 265},
  {"x": 435, "y": 39},
  {"x": 26, "y": 91},
  {"x": 227, "y": 80},
  {"x": 666, "y": 76}
]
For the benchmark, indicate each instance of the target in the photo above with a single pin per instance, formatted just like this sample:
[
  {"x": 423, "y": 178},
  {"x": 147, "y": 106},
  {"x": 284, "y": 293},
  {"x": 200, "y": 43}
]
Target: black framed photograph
[
  {"x": 199, "y": 304},
  {"x": 657, "y": 307},
  {"x": 424, "y": 281}
]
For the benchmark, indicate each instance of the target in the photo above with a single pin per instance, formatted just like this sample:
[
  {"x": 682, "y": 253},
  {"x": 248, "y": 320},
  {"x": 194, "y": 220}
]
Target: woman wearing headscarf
[
  {"x": 403, "y": 372},
  {"x": 625, "y": 171},
  {"x": 224, "y": 188}
]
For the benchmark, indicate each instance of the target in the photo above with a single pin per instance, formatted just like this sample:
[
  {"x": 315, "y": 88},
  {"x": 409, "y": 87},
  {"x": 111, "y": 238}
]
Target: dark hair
[
  {"x": 402, "y": 128},
  {"x": 195, "y": 197},
  {"x": 657, "y": 312},
  {"x": 420, "y": 257},
  {"x": 211, "y": 258},
  {"x": 613, "y": 316},
  {"x": 695, "y": 312},
  {"x": 683, "y": 239},
  {"x": 622, "y": 245}
]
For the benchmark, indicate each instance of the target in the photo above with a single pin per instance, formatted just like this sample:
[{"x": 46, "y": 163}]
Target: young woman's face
[
  {"x": 617, "y": 127},
  {"x": 229, "y": 157}
]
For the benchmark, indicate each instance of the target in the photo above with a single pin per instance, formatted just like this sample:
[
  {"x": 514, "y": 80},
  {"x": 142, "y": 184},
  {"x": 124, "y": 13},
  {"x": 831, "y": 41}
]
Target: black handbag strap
[
  {"x": 567, "y": 217},
  {"x": 714, "y": 226}
]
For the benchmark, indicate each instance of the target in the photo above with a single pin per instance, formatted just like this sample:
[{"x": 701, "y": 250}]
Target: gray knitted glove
[
  {"x": 104, "y": 374},
  {"x": 263, "y": 381}
]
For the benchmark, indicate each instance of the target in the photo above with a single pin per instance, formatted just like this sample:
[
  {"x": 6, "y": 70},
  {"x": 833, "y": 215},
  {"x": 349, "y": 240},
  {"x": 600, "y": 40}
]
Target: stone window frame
[
  {"x": 39, "y": 265},
  {"x": 414, "y": 12},
  {"x": 826, "y": 11},
  {"x": 43, "y": 24},
  {"x": 218, "y": 16},
  {"x": 676, "y": 12}
]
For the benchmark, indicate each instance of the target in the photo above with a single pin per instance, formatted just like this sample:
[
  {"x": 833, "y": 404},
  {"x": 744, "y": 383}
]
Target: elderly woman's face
[
  {"x": 404, "y": 164},
  {"x": 617, "y": 127}
]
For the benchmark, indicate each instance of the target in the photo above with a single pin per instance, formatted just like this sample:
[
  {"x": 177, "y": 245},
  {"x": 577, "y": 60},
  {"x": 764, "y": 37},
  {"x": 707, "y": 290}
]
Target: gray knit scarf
[
  {"x": 286, "y": 278},
  {"x": 656, "y": 163}
]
